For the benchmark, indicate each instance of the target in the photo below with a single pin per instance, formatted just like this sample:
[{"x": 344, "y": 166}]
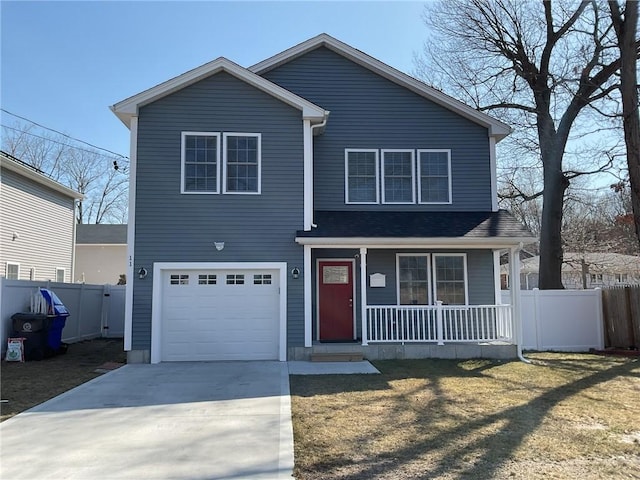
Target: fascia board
[
  {"x": 127, "y": 108},
  {"x": 414, "y": 242},
  {"x": 41, "y": 179},
  {"x": 496, "y": 128}
]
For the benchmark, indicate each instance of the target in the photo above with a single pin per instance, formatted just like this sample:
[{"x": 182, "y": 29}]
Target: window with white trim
[
  {"x": 434, "y": 176},
  {"x": 60, "y": 275},
  {"x": 398, "y": 185},
  {"x": 596, "y": 278},
  {"x": 200, "y": 162},
  {"x": 622, "y": 277},
  {"x": 361, "y": 176},
  {"x": 13, "y": 271},
  {"x": 242, "y": 159},
  {"x": 450, "y": 278},
  {"x": 413, "y": 279}
]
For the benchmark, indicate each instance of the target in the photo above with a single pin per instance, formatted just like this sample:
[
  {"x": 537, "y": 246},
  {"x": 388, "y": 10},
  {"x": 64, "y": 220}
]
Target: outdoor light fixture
[
  {"x": 295, "y": 273},
  {"x": 142, "y": 273},
  {"x": 219, "y": 245},
  {"x": 15, "y": 236}
]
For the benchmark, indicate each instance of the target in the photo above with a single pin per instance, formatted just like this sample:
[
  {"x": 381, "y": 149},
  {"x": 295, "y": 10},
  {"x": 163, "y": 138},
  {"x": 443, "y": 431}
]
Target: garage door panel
[{"x": 220, "y": 320}]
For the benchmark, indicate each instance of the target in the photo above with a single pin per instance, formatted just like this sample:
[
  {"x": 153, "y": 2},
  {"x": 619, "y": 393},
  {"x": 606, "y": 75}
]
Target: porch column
[
  {"x": 363, "y": 294},
  {"x": 514, "y": 271},
  {"x": 307, "y": 296}
]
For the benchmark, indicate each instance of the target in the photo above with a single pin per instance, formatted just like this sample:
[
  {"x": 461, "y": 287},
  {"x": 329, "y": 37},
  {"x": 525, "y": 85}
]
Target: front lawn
[{"x": 565, "y": 416}]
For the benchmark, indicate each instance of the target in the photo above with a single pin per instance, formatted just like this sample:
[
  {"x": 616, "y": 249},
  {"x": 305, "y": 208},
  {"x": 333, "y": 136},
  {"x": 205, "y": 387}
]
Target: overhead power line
[{"x": 59, "y": 133}]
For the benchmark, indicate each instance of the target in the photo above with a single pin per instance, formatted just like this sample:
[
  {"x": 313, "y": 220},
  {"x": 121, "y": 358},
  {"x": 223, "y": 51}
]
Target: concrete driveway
[{"x": 222, "y": 420}]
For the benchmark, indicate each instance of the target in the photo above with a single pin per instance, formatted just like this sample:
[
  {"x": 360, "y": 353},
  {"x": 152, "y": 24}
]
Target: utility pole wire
[{"x": 63, "y": 134}]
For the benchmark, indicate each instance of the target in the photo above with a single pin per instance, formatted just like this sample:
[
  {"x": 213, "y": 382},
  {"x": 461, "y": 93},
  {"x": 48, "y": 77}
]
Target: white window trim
[
  {"x": 225, "y": 135},
  {"x": 466, "y": 279},
  {"x": 6, "y": 272},
  {"x": 346, "y": 175},
  {"x": 413, "y": 175},
  {"x": 429, "y": 287},
  {"x": 64, "y": 273},
  {"x": 182, "y": 161},
  {"x": 419, "y": 179}
]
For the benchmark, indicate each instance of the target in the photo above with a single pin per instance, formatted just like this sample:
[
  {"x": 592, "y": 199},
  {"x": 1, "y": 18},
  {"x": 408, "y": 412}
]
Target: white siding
[{"x": 43, "y": 220}]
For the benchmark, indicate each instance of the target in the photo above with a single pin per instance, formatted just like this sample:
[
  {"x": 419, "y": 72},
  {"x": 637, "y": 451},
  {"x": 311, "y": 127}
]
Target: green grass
[{"x": 564, "y": 416}]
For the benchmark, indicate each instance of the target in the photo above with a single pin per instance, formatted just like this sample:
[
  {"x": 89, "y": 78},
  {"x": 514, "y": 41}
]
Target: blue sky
[{"x": 64, "y": 63}]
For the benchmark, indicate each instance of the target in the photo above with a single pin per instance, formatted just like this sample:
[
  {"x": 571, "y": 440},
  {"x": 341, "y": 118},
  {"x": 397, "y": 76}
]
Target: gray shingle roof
[
  {"x": 336, "y": 224},
  {"x": 97, "y": 234}
]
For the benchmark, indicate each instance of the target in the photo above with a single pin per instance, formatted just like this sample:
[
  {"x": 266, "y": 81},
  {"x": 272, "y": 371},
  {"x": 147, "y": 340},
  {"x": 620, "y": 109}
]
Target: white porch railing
[{"x": 439, "y": 323}]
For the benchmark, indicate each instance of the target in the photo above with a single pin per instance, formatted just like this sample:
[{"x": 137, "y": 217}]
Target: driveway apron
[{"x": 219, "y": 420}]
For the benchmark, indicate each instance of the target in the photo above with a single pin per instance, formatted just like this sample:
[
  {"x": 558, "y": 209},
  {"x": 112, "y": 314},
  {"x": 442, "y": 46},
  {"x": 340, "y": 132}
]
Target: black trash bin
[{"x": 34, "y": 328}]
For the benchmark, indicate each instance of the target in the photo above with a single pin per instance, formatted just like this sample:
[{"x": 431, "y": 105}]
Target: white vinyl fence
[
  {"x": 95, "y": 310},
  {"x": 561, "y": 320}
]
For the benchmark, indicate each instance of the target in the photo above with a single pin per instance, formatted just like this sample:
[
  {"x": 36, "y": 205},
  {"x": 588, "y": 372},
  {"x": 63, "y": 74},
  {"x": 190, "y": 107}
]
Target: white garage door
[{"x": 220, "y": 315}]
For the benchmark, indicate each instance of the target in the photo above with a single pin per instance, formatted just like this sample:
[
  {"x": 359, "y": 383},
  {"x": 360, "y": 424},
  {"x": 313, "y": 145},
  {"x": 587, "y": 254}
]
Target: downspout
[
  {"x": 515, "y": 272},
  {"x": 313, "y": 127}
]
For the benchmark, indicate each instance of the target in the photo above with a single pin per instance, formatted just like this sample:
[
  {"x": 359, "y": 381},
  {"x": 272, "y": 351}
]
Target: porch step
[{"x": 337, "y": 357}]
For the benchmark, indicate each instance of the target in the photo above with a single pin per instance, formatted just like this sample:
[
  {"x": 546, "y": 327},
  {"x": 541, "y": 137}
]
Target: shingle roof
[
  {"x": 101, "y": 234},
  {"x": 478, "y": 225}
]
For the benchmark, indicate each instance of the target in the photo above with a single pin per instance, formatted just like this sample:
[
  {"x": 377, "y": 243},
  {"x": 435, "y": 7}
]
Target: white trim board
[
  {"x": 413, "y": 242},
  {"x": 156, "y": 303}
]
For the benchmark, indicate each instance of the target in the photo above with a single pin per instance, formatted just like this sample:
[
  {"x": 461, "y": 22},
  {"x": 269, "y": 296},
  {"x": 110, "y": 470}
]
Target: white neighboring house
[
  {"x": 101, "y": 253},
  {"x": 592, "y": 270},
  {"x": 37, "y": 219}
]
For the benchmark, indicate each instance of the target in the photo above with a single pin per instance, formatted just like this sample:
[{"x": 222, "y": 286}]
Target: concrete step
[{"x": 337, "y": 357}]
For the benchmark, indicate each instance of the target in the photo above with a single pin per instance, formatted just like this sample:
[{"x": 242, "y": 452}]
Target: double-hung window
[
  {"x": 434, "y": 176},
  {"x": 361, "y": 179},
  {"x": 242, "y": 162},
  {"x": 450, "y": 278},
  {"x": 13, "y": 271},
  {"x": 425, "y": 278},
  {"x": 60, "y": 275},
  {"x": 200, "y": 162},
  {"x": 397, "y": 176},
  {"x": 413, "y": 279}
]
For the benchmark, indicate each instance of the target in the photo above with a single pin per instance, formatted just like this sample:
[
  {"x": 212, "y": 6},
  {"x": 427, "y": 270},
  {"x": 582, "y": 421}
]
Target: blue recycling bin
[{"x": 57, "y": 314}]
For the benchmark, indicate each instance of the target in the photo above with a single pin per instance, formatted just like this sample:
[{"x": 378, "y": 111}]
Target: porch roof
[{"x": 464, "y": 228}]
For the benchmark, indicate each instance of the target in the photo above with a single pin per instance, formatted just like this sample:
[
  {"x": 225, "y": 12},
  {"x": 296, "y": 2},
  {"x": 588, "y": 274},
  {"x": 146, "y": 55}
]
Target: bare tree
[
  {"x": 625, "y": 24},
  {"x": 85, "y": 170},
  {"x": 541, "y": 66}
]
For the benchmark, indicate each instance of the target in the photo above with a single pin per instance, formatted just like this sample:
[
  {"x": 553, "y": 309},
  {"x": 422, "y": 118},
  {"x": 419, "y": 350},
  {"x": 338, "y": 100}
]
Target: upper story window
[
  {"x": 397, "y": 178},
  {"x": 395, "y": 175},
  {"x": 200, "y": 162},
  {"x": 242, "y": 152},
  {"x": 434, "y": 176},
  {"x": 361, "y": 179}
]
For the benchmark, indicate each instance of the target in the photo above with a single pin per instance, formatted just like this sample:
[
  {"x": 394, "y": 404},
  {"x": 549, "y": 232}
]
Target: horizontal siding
[
  {"x": 369, "y": 111},
  {"x": 171, "y": 227},
  {"x": 44, "y": 220}
]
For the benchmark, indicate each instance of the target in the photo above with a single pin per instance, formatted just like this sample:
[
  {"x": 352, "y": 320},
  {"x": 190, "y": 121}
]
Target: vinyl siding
[
  {"x": 173, "y": 227},
  {"x": 369, "y": 111},
  {"x": 44, "y": 220}
]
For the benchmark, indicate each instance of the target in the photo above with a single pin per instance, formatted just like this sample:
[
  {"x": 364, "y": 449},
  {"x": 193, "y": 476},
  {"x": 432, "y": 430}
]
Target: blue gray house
[{"x": 318, "y": 201}]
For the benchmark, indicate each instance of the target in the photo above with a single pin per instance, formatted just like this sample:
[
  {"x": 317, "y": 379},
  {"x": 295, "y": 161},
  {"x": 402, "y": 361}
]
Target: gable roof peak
[{"x": 496, "y": 128}]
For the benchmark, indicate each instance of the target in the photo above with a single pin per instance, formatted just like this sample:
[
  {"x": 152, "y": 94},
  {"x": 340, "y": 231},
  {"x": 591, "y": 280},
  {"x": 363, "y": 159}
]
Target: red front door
[{"x": 335, "y": 292}]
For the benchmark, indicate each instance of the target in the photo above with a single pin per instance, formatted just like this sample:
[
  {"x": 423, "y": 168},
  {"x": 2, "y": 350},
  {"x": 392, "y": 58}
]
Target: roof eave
[
  {"x": 496, "y": 128},
  {"x": 129, "y": 107},
  {"x": 42, "y": 179},
  {"x": 433, "y": 242}
]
